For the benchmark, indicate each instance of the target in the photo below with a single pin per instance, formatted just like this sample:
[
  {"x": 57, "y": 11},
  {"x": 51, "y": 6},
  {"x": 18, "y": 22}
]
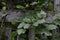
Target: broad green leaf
[
  {"x": 21, "y": 25},
  {"x": 39, "y": 15},
  {"x": 46, "y": 33},
  {"x": 35, "y": 24},
  {"x": 42, "y": 14},
  {"x": 33, "y": 3},
  {"x": 41, "y": 21},
  {"x": 21, "y": 31},
  {"x": 27, "y": 20},
  {"x": 51, "y": 27},
  {"x": 26, "y": 26}
]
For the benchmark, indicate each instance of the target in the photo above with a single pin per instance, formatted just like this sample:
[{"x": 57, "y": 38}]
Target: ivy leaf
[
  {"x": 33, "y": 3},
  {"x": 26, "y": 26},
  {"x": 21, "y": 31},
  {"x": 35, "y": 24},
  {"x": 46, "y": 33},
  {"x": 41, "y": 21},
  {"x": 26, "y": 20},
  {"x": 21, "y": 25},
  {"x": 51, "y": 27},
  {"x": 42, "y": 14}
]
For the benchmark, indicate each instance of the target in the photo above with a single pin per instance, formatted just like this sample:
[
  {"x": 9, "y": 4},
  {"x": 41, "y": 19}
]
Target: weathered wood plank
[{"x": 12, "y": 15}]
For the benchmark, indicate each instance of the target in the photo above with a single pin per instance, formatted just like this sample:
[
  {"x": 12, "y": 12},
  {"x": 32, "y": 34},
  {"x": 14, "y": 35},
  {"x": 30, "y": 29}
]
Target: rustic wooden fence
[{"x": 11, "y": 17}]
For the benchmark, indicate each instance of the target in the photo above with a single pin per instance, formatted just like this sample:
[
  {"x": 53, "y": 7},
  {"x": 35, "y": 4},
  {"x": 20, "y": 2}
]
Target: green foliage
[
  {"x": 34, "y": 3},
  {"x": 21, "y": 31},
  {"x": 32, "y": 22},
  {"x": 39, "y": 22},
  {"x": 28, "y": 20},
  {"x": 4, "y": 3},
  {"x": 27, "y": 26},
  {"x": 42, "y": 14},
  {"x": 51, "y": 27},
  {"x": 35, "y": 19},
  {"x": 21, "y": 25},
  {"x": 47, "y": 33}
]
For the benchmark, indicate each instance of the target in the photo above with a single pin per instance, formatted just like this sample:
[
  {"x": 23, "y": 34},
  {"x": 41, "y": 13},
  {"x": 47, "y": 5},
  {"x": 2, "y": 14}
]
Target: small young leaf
[
  {"x": 33, "y": 3},
  {"x": 4, "y": 8},
  {"x": 41, "y": 21},
  {"x": 20, "y": 7}
]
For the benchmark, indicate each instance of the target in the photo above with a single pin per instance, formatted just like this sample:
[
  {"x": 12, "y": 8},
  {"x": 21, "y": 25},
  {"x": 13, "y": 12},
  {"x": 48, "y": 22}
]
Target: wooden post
[
  {"x": 19, "y": 37},
  {"x": 31, "y": 34},
  {"x": 57, "y": 10},
  {"x": 43, "y": 37},
  {"x": 55, "y": 34},
  {"x": 57, "y": 5},
  {"x": 8, "y": 33}
]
